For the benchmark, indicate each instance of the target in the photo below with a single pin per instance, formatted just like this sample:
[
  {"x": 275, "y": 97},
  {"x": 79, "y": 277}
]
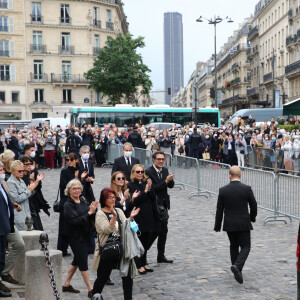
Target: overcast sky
[{"x": 145, "y": 19}]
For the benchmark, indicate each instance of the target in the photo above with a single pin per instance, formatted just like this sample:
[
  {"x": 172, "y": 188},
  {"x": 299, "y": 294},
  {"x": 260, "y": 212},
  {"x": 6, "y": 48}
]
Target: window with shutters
[
  {"x": 4, "y": 48},
  {"x": 4, "y": 24},
  {"x": 4, "y": 73},
  {"x": 67, "y": 96},
  {"x": 36, "y": 12},
  {"x": 65, "y": 14},
  {"x": 38, "y": 95}
]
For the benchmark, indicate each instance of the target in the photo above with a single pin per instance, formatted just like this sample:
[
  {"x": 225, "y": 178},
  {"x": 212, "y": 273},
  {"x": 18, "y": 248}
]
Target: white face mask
[
  {"x": 207, "y": 136},
  {"x": 2, "y": 177},
  {"x": 32, "y": 154},
  {"x": 85, "y": 156},
  {"x": 127, "y": 153}
]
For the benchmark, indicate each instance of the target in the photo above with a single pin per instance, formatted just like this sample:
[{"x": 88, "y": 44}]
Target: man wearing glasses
[{"x": 161, "y": 181}]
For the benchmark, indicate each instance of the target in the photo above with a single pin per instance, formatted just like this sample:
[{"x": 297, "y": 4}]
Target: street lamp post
[{"x": 214, "y": 21}]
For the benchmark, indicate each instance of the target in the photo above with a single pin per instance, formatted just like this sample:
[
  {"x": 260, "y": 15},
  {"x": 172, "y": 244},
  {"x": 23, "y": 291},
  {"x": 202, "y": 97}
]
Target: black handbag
[
  {"x": 180, "y": 149},
  {"x": 56, "y": 204},
  {"x": 242, "y": 152},
  {"x": 112, "y": 249},
  {"x": 162, "y": 212}
]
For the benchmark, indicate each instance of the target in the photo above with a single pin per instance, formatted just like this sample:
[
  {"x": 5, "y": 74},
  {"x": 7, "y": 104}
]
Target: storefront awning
[{"x": 292, "y": 108}]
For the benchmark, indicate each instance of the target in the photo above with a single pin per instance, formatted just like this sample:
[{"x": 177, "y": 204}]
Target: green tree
[{"x": 119, "y": 70}]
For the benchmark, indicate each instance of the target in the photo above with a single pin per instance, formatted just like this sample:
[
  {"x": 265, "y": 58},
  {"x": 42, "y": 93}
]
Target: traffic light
[
  {"x": 169, "y": 91},
  {"x": 212, "y": 93}
]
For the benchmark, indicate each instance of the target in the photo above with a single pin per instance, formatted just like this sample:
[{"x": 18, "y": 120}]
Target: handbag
[
  {"x": 180, "y": 149},
  {"x": 56, "y": 204},
  {"x": 155, "y": 147},
  {"x": 162, "y": 212},
  {"x": 206, "y": 156},
  {"x": 242, "y": 151},
  {"x": 112, "y": 249}
]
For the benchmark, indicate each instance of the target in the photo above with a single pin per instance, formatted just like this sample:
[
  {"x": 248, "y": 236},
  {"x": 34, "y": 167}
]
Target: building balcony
[
  {"x": 235, "y": 66},
  {"x": 235, "y": 82},
  {"x": 68, "y": 78},
  {"x": 65, "y": 21},
  {"x": 110, "y": 26},
  {"x": 37, "y": 19},
  {"x": 291, "y": 39},
  {"x": 247, "y": 79},
  {"x": 4, "y": 53},
  {"x": 37, "y": 48},
  {"x": 268, "y": 77},
  {"x": 253, "y": 32},
  {"x": 3, "y": 28},
  {"x": 4, "y": 77},
  {"x": 232, "y": 100},
  {"x": 252, "y": 92},
  {"x": 66, "y": 49},
  {"x": 255, "y": 49},
  {"x": 292, "y": 69},
  {"x": 96, "y": 50},
  {"x": 38, "y": 77},
  {"x": 97, "y": 23},
  {"x": 248, "y": 53}
]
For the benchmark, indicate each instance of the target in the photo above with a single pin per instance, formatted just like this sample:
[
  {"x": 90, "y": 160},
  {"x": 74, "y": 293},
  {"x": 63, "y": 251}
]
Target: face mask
[
  {"x": 134, "y": 226},
  {"x": 288, "y": 133},
  {"x": 207, "y": 136},
  {"x": 296, "y": 141},
  {"x": 32, "y": 154},
  {"x": 169, "y": 134},
  {"x": 284, "y": 134},
  {"x": 7, "y": 136},
  {"x": 297, "y": 133},
  {"x": 58, "y": 128},
  {"x": 63, "y": 136},
  {"x": 2, "y": 177},
  {"x": 273, "y": 139},
  {"x": 144, "y": 136},
  {"x": 30, "y": 135},
  {"x": 25, "y": 130},
  {"x": 85, "y": 156},
  {"x": 127, "y": 153},
  {"x": 102, "y": 135},
  {"x": 160, "y": 135},
  {"x": 119, "y": 133},
  {"x": 97, "y": 134},
  {"x": 76, "y": 133},
  {"x": 39, "y": 136},
  {"x": 266, "y": 139},
  {"x": 96, "y": 126},
  {"x": 190, "y": 133},
  {"x": 180, "y": 136}
]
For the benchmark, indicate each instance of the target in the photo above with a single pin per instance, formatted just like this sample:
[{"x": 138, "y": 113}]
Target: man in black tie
[
  {"x": 161, "y": 181},
  {"x": 125, "y": 162},
  {"x": 86, "y": 173},
  {"x": 233, "y": 201}
]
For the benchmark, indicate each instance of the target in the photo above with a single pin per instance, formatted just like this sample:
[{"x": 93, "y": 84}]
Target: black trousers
[
  {"x": 162, "y": 239},
  {"x": 147, "y": 239},
  {"x": 2, "y": 252},
  {"x": 103, "y": 273},
  {"x": 240, "y": 245}
]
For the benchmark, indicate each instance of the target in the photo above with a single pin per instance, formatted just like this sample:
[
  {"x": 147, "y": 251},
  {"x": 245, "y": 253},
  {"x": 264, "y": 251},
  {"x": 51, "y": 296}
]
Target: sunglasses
[
  {"x": 120, "y": 178},
  {"x": 160, "y": 159},
  {"x": 20, "y": 171},
  {"x": 68, "y": 159},
  {"x": 139, "y": 172},
  {"x": 28, "y": 164}
]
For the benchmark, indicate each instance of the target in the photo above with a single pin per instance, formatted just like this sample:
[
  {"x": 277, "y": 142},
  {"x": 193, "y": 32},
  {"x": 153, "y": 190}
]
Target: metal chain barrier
[{"x": 44, "y": 241}]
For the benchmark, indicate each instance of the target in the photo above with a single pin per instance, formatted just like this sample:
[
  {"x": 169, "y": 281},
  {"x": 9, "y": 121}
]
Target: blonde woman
[{"x": 7, "y": 157}]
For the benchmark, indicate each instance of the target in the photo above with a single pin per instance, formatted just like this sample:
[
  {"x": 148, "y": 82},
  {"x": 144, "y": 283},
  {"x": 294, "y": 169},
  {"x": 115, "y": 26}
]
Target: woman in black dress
[
  {"x": 147, "y": 219},
  {"x": 79, "y": 217},
  {"x": 67, "y": 174}
]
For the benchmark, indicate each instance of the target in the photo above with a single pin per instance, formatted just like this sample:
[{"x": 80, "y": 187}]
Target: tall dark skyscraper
[{"x": 173, "y": 54}]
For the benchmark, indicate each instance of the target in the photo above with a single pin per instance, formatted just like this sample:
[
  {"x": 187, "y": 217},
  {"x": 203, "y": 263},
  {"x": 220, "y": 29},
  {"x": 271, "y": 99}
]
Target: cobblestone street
[{"x": 201, "y": 268}]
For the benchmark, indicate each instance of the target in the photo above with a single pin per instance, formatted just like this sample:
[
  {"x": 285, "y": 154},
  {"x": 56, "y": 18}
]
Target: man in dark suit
[
  {"x": 86, "y": 173},
  {"x": 135, "y": 138},
  {"x": 233, "y": 201},
  {"x": 13, "y": 144},
  {"x": 125, "y": 162},
  {"x": 161, "y": 181},
  {"x": 6, "y": 226}
]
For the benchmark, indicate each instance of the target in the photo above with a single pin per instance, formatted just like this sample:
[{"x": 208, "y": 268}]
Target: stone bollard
[
  {"x": 31, "y": 240},
  {"x": 38, "y": 283}
]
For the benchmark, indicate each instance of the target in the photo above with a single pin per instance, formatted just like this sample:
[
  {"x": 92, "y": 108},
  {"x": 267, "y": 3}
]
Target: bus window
[
  {"x": 122, "y": 118},
  {"x": 181, "y": 118},
  {"x": 212, "y": 118}
]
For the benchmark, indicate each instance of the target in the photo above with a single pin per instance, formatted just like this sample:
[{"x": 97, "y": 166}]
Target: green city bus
[{"x": 126, "y": 114}]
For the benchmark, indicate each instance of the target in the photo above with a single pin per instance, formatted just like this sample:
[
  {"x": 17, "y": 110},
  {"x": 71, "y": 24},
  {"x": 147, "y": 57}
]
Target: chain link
[{"x": 51, "y": 271}]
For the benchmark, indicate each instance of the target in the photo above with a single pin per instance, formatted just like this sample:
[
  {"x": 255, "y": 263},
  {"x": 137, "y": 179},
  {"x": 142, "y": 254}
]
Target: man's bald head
[{"x": 235, "y": 173}]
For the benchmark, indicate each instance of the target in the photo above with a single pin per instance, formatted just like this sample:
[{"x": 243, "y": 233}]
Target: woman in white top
[
  {"x": 179, "y": 144},
  {"x": 296, "y": 154},
  {"x": 287, "y": 147}
]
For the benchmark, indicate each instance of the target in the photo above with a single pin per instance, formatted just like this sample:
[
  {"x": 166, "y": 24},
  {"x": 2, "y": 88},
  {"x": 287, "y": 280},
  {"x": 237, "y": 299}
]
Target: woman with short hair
[
  {"x": 79, "y": 217},
  {"x": 7, "y": 157}
]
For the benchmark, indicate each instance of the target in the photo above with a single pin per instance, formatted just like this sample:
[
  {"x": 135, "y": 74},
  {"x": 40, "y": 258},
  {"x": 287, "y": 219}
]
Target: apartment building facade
[{"x": 60, "y": 41}]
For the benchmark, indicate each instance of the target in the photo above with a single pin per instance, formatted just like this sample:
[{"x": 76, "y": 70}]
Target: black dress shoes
[
  {"x": 237, "y": 274},
  {"x": 109, "y": 282},
  {"x": 164, "y": 260},
  {"x": 67, "y": 254},
  {"x": 5, "y": 294}
]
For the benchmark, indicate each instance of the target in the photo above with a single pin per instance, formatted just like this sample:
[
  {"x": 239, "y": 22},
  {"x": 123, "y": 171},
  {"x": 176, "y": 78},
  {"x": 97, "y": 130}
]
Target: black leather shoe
[
  {"x": 164, "y": 260},
  {"x": 67, "y": 254},
  {"x": 5, "y": 294},
  {"x": 149, "y": 270},
  {"x": 109, "y": 282},
  {"x": 142, "y": 272},
  {"x": 237, "y": 274}
]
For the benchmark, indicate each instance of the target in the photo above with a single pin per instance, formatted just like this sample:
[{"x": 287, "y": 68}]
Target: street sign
[
  {"x": 277, "y": 99},
  {"x": 86, "y": 100}
]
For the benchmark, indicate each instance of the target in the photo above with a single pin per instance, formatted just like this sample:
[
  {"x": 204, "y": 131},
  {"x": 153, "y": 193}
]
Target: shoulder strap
[
  {"x": 4, "y": 185},
  {"x": 57, "y": 194}
]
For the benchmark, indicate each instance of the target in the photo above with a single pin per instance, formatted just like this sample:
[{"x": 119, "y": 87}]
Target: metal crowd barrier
[
  {"x": 114, "y": 151},
  {"x": 144, "y": 156}
]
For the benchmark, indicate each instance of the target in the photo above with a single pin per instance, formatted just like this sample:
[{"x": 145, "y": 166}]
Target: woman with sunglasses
[
  {"x": 19, "y": 192},
  {"x": 147, "y": 219},
  {"x": 66, "y": 175},
  {"x": 124, "y": 200}
]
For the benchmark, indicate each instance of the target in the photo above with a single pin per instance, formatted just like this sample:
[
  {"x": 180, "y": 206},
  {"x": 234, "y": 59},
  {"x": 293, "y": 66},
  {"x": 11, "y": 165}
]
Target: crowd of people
[{"x": 131, "y": 213}]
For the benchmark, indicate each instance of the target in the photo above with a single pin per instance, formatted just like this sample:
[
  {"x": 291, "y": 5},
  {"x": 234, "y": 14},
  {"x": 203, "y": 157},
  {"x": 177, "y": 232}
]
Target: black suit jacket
[
  {"x": 121, "y": 165},
  {"x": 233, "y": 201},
  {"x": 6, "y": 222},
  {"x": 160, "y": 186},
  {"x": 87, "y": 186}
]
